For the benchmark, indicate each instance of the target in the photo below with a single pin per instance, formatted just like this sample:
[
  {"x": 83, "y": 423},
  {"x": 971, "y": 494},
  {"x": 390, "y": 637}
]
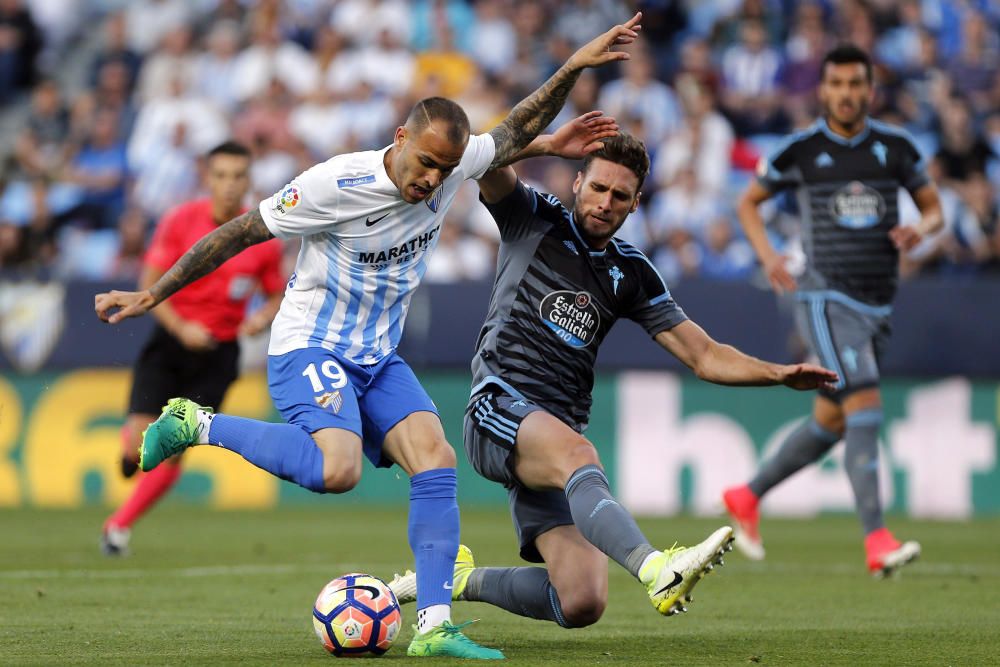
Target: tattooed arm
[
  {"x": 573, "y": 141},
  {"x": 211, "y": 252},
  {"x": 534, "y": 113},
  {"x": 203, "y": 257}
]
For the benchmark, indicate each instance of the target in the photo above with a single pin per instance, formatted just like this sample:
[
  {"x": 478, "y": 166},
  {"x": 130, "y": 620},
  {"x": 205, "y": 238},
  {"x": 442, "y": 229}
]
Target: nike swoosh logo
[
  {"x": 677, "y": 579},
  {"x": 374, "y": 592},
  {"x": 447, "y": 586},
  {"x": 369, "y": 222}
]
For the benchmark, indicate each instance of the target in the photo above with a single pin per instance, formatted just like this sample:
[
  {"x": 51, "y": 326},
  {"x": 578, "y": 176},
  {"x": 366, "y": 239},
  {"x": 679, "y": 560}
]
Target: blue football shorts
[{"x": 315, "y": 388}]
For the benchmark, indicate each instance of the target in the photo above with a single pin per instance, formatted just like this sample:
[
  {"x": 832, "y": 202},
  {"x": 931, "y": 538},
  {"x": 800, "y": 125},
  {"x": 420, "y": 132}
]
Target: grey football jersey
[
  {"x": 554, "y": 300},
  {"x": 847, "y": 192}
]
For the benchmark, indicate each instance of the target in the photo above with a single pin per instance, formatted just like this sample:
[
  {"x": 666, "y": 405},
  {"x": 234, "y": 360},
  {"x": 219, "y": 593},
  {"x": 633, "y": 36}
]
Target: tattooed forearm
[
  {"x": 211, "y": 252},
  {"x": 532, "y": 115}
]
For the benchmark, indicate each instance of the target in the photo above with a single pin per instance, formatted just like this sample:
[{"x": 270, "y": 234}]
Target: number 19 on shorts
[{"x": 330, "y": 370}]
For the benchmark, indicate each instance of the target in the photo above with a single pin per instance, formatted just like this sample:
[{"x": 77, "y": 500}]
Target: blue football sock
[
  {"x": 433, "y": 532},
  {"x": 284, "y": 450}
]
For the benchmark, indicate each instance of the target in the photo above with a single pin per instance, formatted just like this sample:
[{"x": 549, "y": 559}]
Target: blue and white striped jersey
[{"x": 364, "y": 251}]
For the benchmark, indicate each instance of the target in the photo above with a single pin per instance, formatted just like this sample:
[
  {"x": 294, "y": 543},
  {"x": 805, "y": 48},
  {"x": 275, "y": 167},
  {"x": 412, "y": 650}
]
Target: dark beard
[
  {"x": 579, "y": 219},
  {"x": 858, "y": 119}
]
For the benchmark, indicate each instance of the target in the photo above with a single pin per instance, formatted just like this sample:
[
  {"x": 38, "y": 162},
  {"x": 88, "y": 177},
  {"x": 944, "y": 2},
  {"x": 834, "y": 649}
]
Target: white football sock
[
  {"x": 205, "y": 423},
  {"x": 430, "y": 617},
  {"x": 646, "y": 562}
]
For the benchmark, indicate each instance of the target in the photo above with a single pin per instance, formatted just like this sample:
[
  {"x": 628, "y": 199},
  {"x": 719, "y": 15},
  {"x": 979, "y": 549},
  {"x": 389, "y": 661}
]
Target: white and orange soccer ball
[{"x": 357, "y": 615}]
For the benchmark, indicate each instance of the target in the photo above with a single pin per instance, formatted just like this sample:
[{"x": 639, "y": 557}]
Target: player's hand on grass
[
  {"x": 582, "y": 135},
  {"x": 777, "y": 274},
  {"x": 194, "y": 336},
  {"x": 598, "y": 51},
  {"x": 905, "y": 238},
  {"x": 808, "y": 376},
  {"x": 115, "y": 306}
]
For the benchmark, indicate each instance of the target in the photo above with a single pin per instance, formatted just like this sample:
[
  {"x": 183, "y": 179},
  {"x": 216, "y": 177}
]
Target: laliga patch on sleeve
[{"x": 286, "y": 200}]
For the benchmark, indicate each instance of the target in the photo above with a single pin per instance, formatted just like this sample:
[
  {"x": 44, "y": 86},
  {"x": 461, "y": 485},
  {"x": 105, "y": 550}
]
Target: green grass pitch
[{"x": 209, "y": 588}]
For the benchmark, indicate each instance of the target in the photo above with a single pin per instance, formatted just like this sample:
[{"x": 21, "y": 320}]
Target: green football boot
[
  {"x": 176, "y": 429},
  {"x": 447, "y": 640}
]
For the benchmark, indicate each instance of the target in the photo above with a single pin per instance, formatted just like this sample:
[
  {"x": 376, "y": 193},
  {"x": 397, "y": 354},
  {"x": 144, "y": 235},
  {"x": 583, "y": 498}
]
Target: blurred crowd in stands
[{"x": 106, "y": 106}]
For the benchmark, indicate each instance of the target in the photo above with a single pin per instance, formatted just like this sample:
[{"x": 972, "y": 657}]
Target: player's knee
[
  {"x": 435, "y": 453},
  {"x": 581, "y": 452},
  {"x": 342, "y": 477},
  {"x": 830, "y": 428},
  {"x": 582, "y": 607},
  {"x": 835, "y": 427}
]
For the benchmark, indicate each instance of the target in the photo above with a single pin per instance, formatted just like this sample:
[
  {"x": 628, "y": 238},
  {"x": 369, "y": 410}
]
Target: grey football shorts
[
  {"x": 491, "y": 423},
  {"x": 847, "y": 336}
]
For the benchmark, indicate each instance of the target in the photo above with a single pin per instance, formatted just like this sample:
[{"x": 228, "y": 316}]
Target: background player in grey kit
[
  {"x": 846, "y": 171},
  {"x": 562, "y": 282}
]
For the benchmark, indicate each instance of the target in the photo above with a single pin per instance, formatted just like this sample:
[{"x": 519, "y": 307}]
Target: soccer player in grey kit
[
  {"x": 846, "y": 171},
  {"x": 562, "y": 282}
]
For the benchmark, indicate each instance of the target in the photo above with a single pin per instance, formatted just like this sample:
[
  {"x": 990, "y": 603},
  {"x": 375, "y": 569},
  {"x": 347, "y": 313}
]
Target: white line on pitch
[
  {"x": 929, "y": 568},
  {"x": 204, "y": 571},
  {"x": 922, "y": 567}
]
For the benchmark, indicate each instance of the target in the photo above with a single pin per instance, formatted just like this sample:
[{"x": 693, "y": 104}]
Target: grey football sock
[
  {"x": 861, "y": 462},
  {"x": 805, "y": 444},
  {"x": 525, "y": 591},
  {"x": 603, "y": 522}
]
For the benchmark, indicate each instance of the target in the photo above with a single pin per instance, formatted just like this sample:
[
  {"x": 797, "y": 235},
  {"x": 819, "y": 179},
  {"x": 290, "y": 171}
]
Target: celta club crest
[
  {"x": 880, "y": 152},
  {"x": 616, "y": 276},
  {"x": 433, "y": 200},
  {"x": 850, "y": 357}
]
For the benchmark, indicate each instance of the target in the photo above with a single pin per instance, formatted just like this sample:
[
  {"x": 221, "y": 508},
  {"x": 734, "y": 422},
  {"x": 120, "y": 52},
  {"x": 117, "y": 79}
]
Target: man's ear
[{"x": 635, "y": 202}]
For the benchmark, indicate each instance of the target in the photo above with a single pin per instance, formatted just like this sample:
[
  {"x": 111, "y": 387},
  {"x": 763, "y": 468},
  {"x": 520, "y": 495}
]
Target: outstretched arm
[
  {"x": 534, "y": 113},
  {"x": 724, "y": 364},
  {"x": 204, "y": 257},
  {"x": 572, "y": 141}
]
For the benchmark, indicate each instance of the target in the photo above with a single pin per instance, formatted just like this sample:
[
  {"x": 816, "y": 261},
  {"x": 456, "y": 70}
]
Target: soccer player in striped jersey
[
  {"x": 845, "y": 171},
  {"x": 368, "y": 223},
  {"x": 562, "y": 283}
]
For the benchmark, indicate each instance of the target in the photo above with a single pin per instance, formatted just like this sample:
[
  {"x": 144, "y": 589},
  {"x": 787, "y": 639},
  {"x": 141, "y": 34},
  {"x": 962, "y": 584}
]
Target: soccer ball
[{"x": 355, "y": 615}]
